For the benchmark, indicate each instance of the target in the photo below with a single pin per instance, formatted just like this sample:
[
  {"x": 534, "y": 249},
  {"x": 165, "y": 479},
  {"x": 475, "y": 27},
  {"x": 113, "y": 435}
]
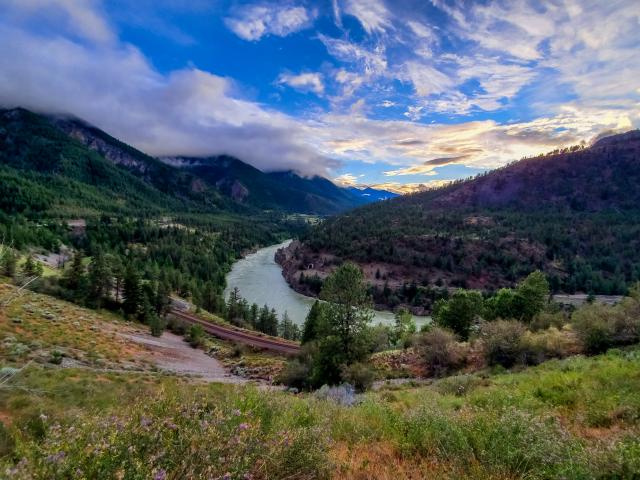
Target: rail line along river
[{"x": 259, "y": 279}]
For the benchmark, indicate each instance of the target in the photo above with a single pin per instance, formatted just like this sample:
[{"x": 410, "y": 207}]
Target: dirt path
[{"x": 171, "y": 353}]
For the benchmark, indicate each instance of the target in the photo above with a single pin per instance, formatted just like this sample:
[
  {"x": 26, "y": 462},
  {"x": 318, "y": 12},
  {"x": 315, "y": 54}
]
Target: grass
[
  {"x": 538, "y": 423},
  {"x": 33, "y": 326}
]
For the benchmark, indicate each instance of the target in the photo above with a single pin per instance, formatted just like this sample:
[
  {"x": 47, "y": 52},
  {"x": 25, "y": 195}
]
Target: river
[{"x": 259, "y": 279}]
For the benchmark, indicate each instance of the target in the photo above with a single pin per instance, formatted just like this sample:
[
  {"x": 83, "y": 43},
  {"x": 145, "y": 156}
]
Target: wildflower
[
  {"x": 160, "y": 475},
  {"x": 237, "y": 412},
  {"x": 145, "y": 422},
  {"x": 226, "y": 476},
  {"x": 243, "y": 426},
  {"x": 56, "y": 457}
]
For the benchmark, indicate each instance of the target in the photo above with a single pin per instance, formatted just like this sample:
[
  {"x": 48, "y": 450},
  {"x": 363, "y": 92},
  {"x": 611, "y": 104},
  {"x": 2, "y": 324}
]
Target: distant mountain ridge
[
  {"x": 220, "y": 182},
  {"x": 275, "y": 190}
]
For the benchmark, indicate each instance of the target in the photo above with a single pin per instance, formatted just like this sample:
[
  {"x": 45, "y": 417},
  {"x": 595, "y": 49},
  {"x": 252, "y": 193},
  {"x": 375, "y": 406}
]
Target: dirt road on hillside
[{"x": 171, "y": 353}]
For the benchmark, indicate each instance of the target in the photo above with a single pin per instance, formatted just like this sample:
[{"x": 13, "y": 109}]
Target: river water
[{"x": 259, "y": 279}]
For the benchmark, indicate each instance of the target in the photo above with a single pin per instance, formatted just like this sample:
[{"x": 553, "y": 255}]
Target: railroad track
[{"x": 228, "y": 333}]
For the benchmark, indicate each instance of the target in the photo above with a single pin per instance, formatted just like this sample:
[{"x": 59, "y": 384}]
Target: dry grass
[{"x": 34, "y": 326}]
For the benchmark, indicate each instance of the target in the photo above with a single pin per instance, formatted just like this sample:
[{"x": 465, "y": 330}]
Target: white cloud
[
  {"x": 372, "y": 61},
  {"x": 303, "y": 81},
  {"x": 373, "y": 15},
  {"x": 80, "y": 17},
  {"x": 185, "y": 112},
  {"x": 427, "y": 79},
  {"x": 348, "y": 180},
  {"x": 252, "y": 22}
]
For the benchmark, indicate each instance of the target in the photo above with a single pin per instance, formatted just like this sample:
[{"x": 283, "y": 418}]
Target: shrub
[
  {"x": 458, "y": 385},
  {"x": 196, "y": 335},
  {"x": 56, "y": 357},
  {"x": 537, "y": 347},
  {"x": 547, "y": 319},
  {"x": 594, "y": 331},
  {"x": 177, "y": 326},
  {"x": 502, "y": 342},
  {"x": 360, "y": 375},
  {"x": 459, "y": 312},
  {"x": 440, "y": 351},
  {"x": 295, "y": 374}
]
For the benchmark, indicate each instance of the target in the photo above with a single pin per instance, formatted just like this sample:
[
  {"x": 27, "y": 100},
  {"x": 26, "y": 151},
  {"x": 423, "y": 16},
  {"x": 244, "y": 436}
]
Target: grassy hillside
[{"x": 575, "y": 418}]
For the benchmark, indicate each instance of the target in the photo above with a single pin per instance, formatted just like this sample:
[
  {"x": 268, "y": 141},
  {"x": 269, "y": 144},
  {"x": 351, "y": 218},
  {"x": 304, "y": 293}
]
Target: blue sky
[{"x": 400, "y": 94}]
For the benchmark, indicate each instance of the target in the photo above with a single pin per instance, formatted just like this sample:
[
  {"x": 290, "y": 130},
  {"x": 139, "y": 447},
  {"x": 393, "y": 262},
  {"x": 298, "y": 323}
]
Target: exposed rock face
[{"x": 112, "y": 153}]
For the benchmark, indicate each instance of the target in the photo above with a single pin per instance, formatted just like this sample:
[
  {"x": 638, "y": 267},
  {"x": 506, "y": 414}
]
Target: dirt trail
[{"x": 171, "y": 353}]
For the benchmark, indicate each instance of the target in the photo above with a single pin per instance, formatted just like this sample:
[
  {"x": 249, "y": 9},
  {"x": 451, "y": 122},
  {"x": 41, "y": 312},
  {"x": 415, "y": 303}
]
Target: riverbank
[
  {"x": 260, "y": 280},
  {"x": 304, "y": 272}
]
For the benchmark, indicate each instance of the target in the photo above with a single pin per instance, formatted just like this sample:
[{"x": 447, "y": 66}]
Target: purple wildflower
[
  {"x": 160, "y": 475},
  {"x": 145, "y": 422},
  {"x": 243, "y": 426}
]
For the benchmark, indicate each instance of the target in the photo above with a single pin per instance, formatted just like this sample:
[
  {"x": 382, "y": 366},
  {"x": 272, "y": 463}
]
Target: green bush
[
  {"x": 295, "y": 374},
  {"x": 538, "y": 347},
  {"x": 440, "y": 351},
  {"x": 196, "y": 336},
  {"x": 360, "y": 375},
  {"x": 501, "y": 342}
]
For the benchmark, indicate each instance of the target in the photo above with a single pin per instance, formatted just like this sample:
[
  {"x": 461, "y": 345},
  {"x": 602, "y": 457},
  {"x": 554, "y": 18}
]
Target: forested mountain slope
[
  {"x": 574, "y": 214},
  {"x": 47, "y": 170},
  {"x": 286, "y": 191}
]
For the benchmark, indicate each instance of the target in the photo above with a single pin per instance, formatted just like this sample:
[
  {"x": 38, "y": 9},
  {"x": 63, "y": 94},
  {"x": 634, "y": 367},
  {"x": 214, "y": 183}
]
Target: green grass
[{"x": 574, "y": 418}]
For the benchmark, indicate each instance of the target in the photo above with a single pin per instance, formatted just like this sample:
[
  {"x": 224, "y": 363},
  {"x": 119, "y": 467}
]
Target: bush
[
  {"x": 502, "y": 342},
  {"x": 547, "y": 319},
  {"x": 360, "y": 375},
  {"x": 543, "y": 345},
  {"x": 593, "y": 329},
  {"x": 177, "y": 326},
  {"x": 295, "y": 374},
  {"x": 196, "y": 335},
  {"x": 440, "y": 351},
  {"x": 459, "y": 312}
]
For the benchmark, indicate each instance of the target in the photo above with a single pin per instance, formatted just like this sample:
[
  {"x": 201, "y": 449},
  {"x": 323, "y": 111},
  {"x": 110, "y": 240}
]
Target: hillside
[
  {"x": 575, "y": 215},
  {"x": 63, "y": 416},
  {"x": 70, "y": 163},
  {"x": 284, "y": 191}
]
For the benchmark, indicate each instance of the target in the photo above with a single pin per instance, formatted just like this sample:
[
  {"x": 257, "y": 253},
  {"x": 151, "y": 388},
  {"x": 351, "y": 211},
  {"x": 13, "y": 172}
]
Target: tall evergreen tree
[
  {"x": 9, "y": 262},
  {"x": 313, "y": 324},
  {"x": 132, "y": 292},
  {"x": 74, "y": 277},
  {"x": 100, "y": 279}
]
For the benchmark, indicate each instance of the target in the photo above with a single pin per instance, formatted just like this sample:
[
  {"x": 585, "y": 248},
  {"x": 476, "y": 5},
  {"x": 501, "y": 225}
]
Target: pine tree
[
  {"x": 30, "y": 268},
  {"x": 74, "y": 278},
  {"x": 162, "y": 300},
  {"x": 312, "y": 327},
  {"x": 100, "y": 279},
  {"x": 9, "y": 263},
  {"x": 132, "y": 291}
]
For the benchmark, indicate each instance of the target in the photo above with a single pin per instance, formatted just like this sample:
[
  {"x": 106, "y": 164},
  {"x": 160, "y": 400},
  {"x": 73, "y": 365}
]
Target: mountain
[
  {"x": 370, "y": 195},
  {"x": 574, "y": 214},
  {"x": 285, "y": 191},
  {"x": 75, "y": 166},
  {"x": 43, "y": 169}
]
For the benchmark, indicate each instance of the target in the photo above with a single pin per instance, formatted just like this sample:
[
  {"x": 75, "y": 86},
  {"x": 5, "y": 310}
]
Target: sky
[{"x": 398, "y": 94}]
